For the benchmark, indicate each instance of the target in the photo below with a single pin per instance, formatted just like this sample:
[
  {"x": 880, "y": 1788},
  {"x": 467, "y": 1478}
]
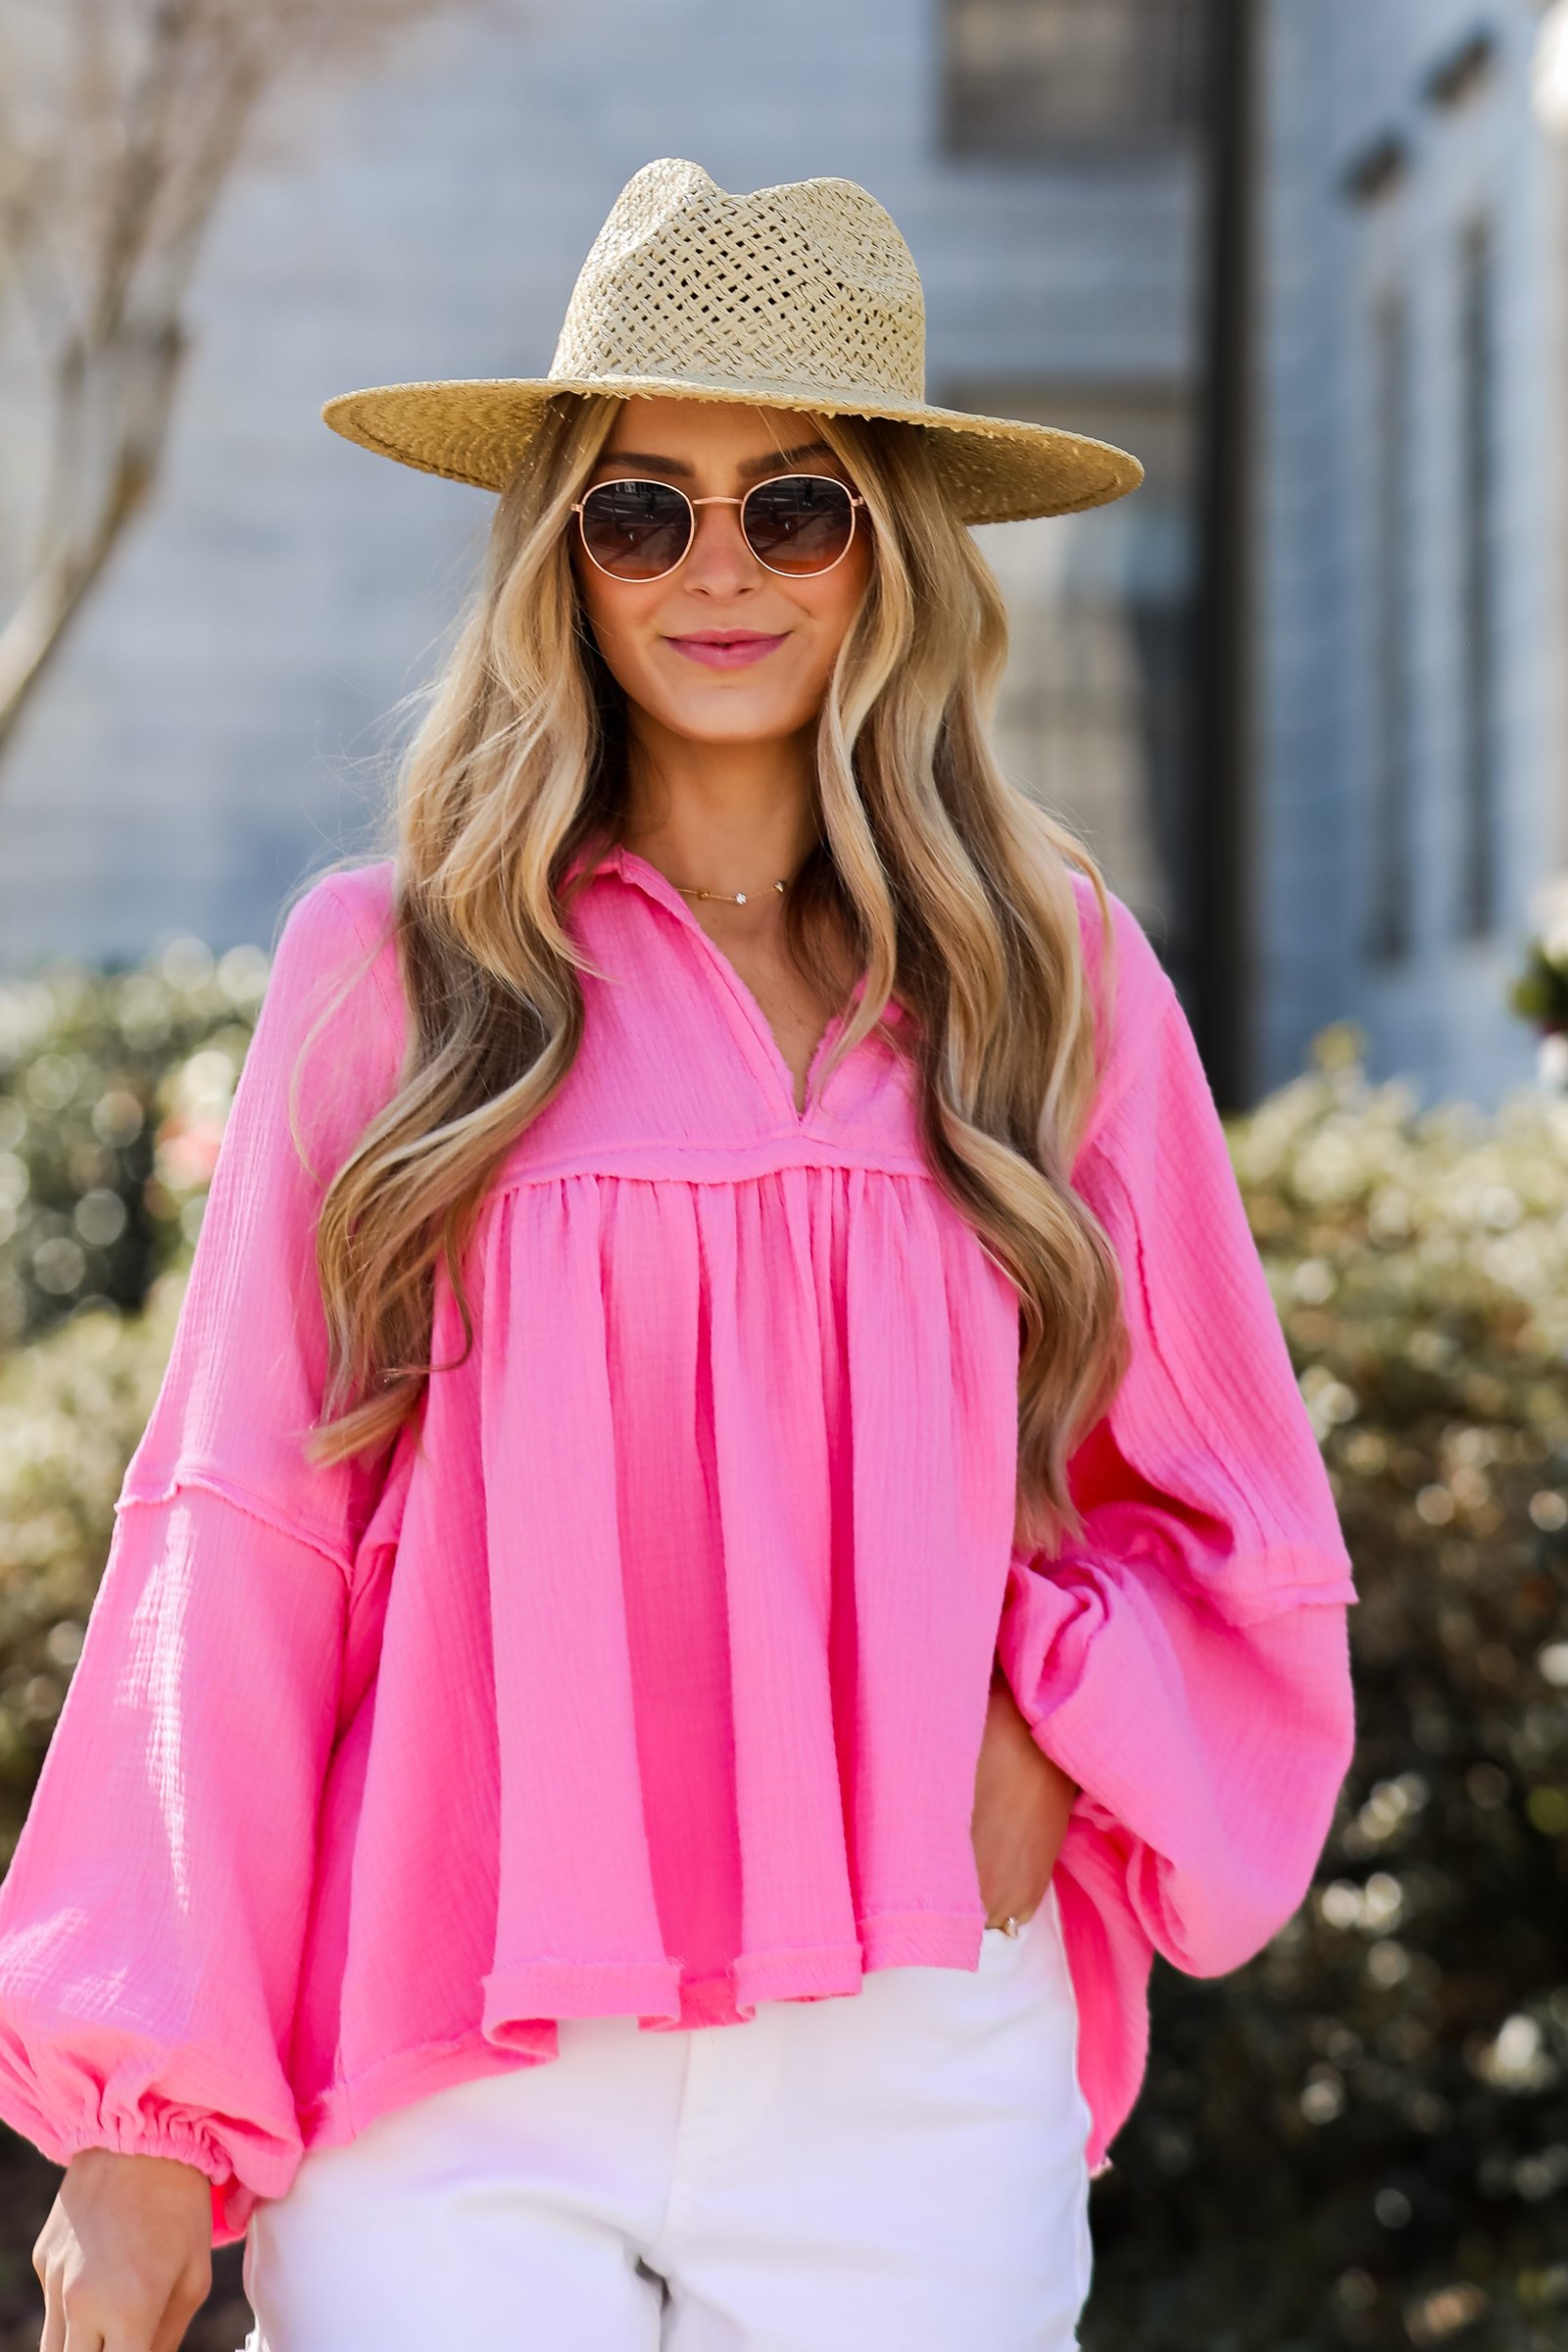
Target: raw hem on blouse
[
  {"x": 516, "y": 1997},
  {"x": 655, "y": 1993}
]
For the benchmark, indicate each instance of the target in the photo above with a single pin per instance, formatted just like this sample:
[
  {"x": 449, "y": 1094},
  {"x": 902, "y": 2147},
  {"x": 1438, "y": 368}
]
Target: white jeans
[{"x": 896, "y": 2170}]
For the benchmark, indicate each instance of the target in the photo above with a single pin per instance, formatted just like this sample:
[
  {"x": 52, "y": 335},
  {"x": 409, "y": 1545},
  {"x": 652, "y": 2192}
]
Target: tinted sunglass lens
[
  {"x": 635, "y": 529},
  {"x": 799, "y": 524}
]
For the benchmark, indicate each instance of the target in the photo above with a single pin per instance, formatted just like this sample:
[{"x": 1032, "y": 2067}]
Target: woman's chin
[{"x": 734, "y": 718}]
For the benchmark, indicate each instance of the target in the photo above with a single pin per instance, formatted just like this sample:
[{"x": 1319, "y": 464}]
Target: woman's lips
[{"x": 726, "y": 649}]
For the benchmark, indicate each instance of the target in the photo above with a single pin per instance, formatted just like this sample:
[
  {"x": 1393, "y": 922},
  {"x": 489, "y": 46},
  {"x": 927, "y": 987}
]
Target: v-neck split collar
[{"x": 632, "y": 867}]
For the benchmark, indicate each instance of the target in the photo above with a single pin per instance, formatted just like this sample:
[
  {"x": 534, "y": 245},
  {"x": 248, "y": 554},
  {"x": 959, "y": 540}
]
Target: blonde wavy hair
[{"x": 943, "y": 883}]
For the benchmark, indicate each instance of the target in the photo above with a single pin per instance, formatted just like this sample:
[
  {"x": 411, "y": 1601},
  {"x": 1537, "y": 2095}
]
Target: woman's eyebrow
[
  {"x": 641, "y": 457},
  {"x": 756, "y": 468},
  {"x": 784, "y": 457}
]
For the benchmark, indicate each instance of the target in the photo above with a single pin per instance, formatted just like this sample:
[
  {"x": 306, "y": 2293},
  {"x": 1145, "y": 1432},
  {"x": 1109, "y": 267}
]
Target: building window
[
  {"x": 1478, "y": 577},
  {"x": 1390, "y": 875},
  {"x": 1030, "y": 77}
]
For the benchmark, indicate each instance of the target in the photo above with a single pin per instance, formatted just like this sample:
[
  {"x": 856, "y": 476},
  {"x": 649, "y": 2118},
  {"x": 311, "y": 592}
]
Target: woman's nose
[{"x": 718, "y": 562}]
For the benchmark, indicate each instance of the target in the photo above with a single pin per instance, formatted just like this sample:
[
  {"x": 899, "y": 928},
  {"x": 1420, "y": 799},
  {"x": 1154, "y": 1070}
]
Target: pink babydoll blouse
[{"x": 649, "y": 1673}]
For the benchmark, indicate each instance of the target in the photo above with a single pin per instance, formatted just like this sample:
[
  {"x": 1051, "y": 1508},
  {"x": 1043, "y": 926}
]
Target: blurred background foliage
[
  {"x": 1361, "y": 2138},
  {"x": 114, "y": 1090}
]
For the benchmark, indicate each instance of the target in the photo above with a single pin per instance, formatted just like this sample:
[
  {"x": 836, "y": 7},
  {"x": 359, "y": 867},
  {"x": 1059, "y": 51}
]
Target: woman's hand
[
  {"x": 125, "y": 2254},
  {"x": 1021, "y": 1805}
]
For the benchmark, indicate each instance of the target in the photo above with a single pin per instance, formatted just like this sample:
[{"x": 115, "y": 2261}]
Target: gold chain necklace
[{"x": 735, "y": 898}]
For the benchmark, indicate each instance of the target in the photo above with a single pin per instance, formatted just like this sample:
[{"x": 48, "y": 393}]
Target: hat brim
[{"x": 478, "y": 429}]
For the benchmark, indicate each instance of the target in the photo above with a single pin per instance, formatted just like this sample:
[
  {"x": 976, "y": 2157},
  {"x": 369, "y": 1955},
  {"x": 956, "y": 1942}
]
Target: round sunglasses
[{"x": 796, "y": 525}]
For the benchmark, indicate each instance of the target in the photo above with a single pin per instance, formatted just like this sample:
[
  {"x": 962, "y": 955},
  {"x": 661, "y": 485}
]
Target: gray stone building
[
  {"x": 225, "y": 714},
  {"x": 1409, "y": 743}
]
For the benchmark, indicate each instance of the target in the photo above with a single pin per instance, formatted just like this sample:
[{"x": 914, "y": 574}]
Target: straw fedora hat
[{"x": 801, "y": 296}]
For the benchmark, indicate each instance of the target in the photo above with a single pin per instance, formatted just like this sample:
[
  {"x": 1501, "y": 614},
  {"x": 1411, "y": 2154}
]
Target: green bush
[
  {"x": 1361, "y": 2138},
  {"x": 114, "y": 1087}
]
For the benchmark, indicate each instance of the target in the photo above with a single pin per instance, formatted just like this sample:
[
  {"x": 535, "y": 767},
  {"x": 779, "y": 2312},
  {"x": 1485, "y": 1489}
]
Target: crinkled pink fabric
[{"x": 649, "y": 1673}]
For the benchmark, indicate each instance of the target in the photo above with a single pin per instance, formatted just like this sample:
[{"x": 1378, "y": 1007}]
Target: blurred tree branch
[{"x": 121, "y": 124}]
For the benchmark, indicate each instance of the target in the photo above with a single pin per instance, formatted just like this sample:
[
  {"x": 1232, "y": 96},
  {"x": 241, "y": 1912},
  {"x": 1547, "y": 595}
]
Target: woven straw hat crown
[
  {"x": 807, "y": 290},
  {"x": 801, "y": 296}
]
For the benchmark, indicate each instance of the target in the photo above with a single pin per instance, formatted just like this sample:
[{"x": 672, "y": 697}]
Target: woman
[{"x": 728, "y": 1545}]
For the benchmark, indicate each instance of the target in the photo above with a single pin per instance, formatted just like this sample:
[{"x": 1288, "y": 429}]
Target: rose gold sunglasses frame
[{"x": 647, "y": 578}]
